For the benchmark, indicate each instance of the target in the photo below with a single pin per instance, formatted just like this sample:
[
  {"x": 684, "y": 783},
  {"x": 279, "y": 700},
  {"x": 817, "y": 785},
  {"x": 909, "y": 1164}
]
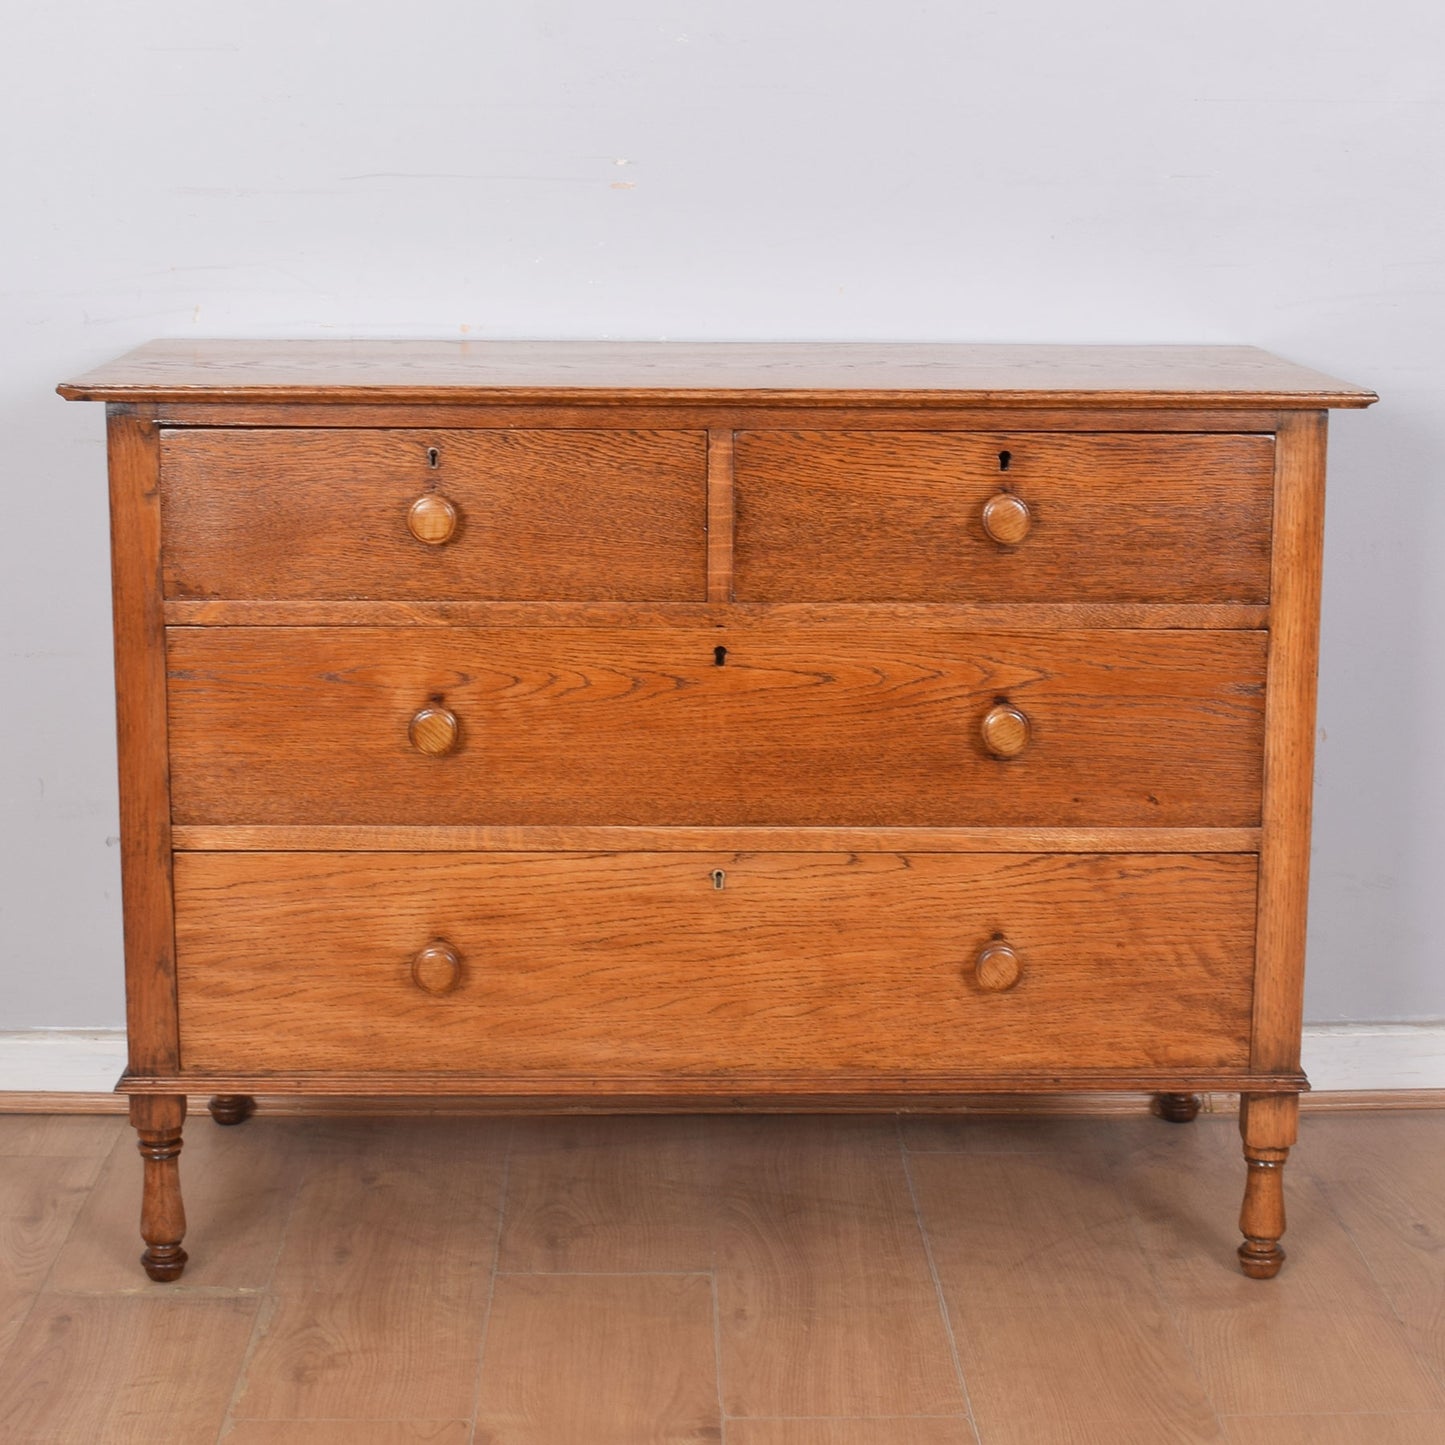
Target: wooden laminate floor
[{"x": 736, "y": 1281}]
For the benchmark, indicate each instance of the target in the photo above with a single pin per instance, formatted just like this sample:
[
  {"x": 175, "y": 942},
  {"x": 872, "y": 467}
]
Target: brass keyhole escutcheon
[{"x": 719, "y": 879}]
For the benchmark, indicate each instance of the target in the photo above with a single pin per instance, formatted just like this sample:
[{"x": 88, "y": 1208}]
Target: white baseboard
[
  {"x": 1338, "y": 1057},
  {"x": 61, "y": 1061},
  {"x": 1343, "y": 1057}
]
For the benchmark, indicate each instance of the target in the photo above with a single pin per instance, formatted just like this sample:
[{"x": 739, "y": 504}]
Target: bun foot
[
  {"x": 164, "y": 1262},
  {"x": 232, "y": 1108},
  {"x": 1177, "y": 1108}
]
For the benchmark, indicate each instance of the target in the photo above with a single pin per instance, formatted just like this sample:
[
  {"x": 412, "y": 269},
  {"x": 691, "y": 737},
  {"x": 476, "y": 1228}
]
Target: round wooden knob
[
  {"x": 435, "y": 731},
  {"x": 998, "y": 967},
  {"x": 1006, "y": 519},
  {"x": 437, "y": 969},
  {"x": 432, "y": 519},
  {"x": 1005, "y": 730}
]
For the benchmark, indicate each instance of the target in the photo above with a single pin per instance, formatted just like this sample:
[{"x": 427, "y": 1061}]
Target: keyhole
[
  {"x": 433, "y": 457},
  {"x": 718, "y": 879},
  {"x": 719, "y": 655},
  {"x": 1004, "y": 458}
]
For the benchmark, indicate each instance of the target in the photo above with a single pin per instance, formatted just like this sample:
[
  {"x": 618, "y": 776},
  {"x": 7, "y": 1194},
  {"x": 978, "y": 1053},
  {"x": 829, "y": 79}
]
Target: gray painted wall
[{"x": 1121, "y": 171}]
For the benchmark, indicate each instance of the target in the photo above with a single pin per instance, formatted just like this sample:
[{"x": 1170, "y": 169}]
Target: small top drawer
[
  {"x": 1021, "y": 517},
  {"x": 498, "y": 514}
]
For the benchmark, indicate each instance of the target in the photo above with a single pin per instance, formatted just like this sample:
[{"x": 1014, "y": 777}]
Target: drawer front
[
  {"x": 908, "y": 516},
  {"x": 797, "y": 726},
  {"x": 544, "y": 966},
  {"x": 589, "y": 515}
]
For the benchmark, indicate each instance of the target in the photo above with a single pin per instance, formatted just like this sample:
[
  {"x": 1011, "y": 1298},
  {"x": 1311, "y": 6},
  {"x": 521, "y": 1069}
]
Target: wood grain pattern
[
  {"x": 542, "y": 514},
  {"x": 40, "y": 1198},
  {"x": 610, "y": 1195},
  {"x": 380, "y": 1288},
  {"x": 1290, "y": 741},
  {"x": 106, "y": 1369},
  {"x": 239, "y": 1186},
  {"x": 1413, "y": 1429},
  {"x": 819, "y": 373},
  {"x": 826, "y": 1304},
  {"x": 900, "y": 1430},
  {"x": 630, "y": 414},
  {"x": 158, "y": 1121},
  {"x": 351, "y": 1432},
  {"x": 462, "y": 838},
  {"x": 719, "y": 515},
  {"x": 927, "y": 616},
  {"x": 1053, "y": 1306},
  {"x": 1385, "y": 1179},
  {"x": 141, "y": 744},
  {"x": 615, "y": 965},
  {"x": 813, "y": 728},
  {"x": 899, "y": 516},
  {"x": 1294, "y": 1346},
  {"x": 599, "y": 1360}
]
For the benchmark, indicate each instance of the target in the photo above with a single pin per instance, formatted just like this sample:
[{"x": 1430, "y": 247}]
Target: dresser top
[{"x": 912, "y": 374}]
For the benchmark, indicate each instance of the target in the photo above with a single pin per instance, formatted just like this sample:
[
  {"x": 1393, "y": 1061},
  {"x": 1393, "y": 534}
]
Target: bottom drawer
[{"x": 539, "y": 967}]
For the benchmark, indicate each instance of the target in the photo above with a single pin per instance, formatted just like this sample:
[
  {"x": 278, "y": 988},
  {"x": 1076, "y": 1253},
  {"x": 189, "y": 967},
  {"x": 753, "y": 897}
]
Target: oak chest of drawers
[{"x": 617, "y": 726}]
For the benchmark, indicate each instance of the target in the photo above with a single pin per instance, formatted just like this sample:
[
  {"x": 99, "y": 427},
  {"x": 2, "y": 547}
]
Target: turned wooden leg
[
  {"x": 1177, "y": 1108},
  {"x": 232, "y": 1108},
  {"x": 1269, "y": 1125},
  {"x": 157, "y": 1119}
]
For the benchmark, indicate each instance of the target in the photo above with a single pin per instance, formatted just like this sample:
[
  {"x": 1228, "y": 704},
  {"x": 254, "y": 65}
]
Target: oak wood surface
[
  {"x": 849, "y": 966},
  {"x": 898, "y": 1430},
  {"x": 322, "y": 514},
  {"x": 899, "y": 516},
  {"x": 816, "y": 372},
  {"x": 141, "y": 740},
  {"x": 807, "y": 728},
  {"x": 1284, "y": 865},
  {"x": 158, "y": 1121},
  {"x": 126, "y": 1369},
  {"x": 1293, "y": 1346},
  {"x": 826, "y": 1300},
  {"x": 720, "y": 515},
  {"x": 993, "y": 1220},
  {"x": 1338, "y": 1351},
  {"x": 601, "y": 409},
  {"x": 472, "y": 839},
  {"x": 351, "y": 1432},
  {"x": 241, "y": 612},
  {"x": 626, "y": 1358},
  {"x": 380, "y": 1287}
]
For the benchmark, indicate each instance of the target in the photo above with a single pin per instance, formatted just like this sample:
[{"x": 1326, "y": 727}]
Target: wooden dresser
[{"x": 646, "y": 726}]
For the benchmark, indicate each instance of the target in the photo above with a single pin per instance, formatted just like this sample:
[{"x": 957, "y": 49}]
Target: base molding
[
  {"x": 1352, "y": 1067},
  {"x": 1039, "y": 1105}
]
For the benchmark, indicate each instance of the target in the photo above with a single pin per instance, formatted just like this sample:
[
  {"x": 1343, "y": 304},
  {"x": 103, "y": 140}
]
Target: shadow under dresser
[{"x": 650, "y": 726}]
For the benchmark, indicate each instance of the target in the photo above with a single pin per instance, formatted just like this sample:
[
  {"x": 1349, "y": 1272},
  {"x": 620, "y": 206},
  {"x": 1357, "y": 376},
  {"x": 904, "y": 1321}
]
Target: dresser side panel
[
  {"x": 1299, "y": 503},
  {"x": 141, "y": 738}
]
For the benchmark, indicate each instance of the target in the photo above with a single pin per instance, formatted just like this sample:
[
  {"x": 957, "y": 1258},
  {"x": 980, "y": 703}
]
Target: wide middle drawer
[{"x": 689, "y": 725}]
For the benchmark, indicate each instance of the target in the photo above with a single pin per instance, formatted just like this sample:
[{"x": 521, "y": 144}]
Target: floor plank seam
[
  {"x": 938, "y": 1293},
  {"x": 266, "y": 1310},
  {"x": 502, "y": 1196},
  {"x": 599, "y": 1273},
  {"x": 717, "y": 1357}
]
